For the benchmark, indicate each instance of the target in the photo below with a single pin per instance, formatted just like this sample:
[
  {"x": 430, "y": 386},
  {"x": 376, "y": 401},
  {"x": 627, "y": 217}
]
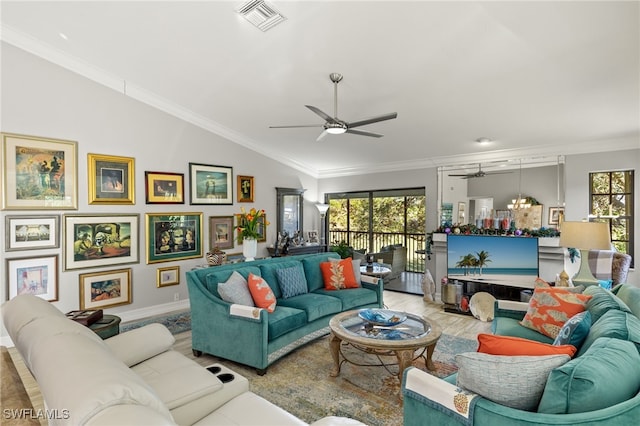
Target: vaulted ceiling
[{"x": 539, "y": 78}]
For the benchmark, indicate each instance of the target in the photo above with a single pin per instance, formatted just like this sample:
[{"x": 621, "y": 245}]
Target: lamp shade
[
  {"x": 322, "y": 208},
  {"x": 585, "y": 235}
]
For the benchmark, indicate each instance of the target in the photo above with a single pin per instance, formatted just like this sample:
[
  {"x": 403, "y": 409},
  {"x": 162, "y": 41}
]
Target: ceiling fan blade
[
  {"x": 322, "y": 136},
  {"x": 293, "y": 126},
  {"x": 497, "y": 173},
  {"x": 321, "y": 113},
  {"x": 384, "y": 117},
  {"x": 363, "y": 133},
  {"x": 459, "y": 175}
]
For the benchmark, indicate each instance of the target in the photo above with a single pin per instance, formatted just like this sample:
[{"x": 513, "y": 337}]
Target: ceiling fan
[
  {"x": 478, "y": 174},
  {"x": 334, "y": 125}
]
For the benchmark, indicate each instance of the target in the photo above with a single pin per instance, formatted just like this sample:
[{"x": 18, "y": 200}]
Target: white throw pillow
[{"x": 236, "y": 290}]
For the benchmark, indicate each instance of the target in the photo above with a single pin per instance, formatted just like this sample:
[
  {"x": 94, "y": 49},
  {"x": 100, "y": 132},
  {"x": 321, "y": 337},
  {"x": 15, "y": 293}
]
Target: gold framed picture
[
  {"x": 245, "y": 189},
  {"x": 164, "y": 188},
  {"x": 111, "y": 179},
  {"x": 173, "y": 236},
  {"x": 105, "y": 289},
  {"x": 168, "y": 276},
  {"x": 39, "y": 173}
]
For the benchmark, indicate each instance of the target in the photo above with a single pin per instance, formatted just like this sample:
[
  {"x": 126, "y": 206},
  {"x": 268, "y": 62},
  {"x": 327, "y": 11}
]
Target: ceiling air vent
[{"x": 262, "y": 15}]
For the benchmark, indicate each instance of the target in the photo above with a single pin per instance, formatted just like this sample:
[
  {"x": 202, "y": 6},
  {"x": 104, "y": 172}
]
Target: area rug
[{"x": 300, "y": 381}]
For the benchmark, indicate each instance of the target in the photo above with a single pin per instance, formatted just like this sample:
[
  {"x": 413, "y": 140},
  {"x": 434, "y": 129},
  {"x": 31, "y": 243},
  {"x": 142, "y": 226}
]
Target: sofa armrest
[
  {"x": 430, "y": 400},
  {"x": 140, "y": 344}
]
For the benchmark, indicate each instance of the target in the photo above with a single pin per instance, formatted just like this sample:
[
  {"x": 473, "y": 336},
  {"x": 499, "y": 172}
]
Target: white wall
[{"x": 42, "y": 99}]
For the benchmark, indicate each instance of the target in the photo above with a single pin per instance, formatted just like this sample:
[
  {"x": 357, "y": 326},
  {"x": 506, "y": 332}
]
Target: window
[
  {"x": 370, "y": 220},
  {"x": 611, "y": 201}
]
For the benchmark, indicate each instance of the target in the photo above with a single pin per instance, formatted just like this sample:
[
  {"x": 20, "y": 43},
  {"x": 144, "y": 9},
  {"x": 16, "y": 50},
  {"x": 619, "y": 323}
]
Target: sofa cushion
[
  {"x": 236, "y": 290},
  {"x": 314, "y": 305},
  {"x": 607, "y": 374},
  {"x": 630, "y": 295},
  {"x": 311, "y": 265},
  {"x": 140, "y": 344},
  {"x": 338, "y": 274},
  {"x": 292, "y": 281},
  {"x": 261, "y": 293},
  {"x": 352, "y": 298},
  {"x": 506, "y": 326},
  {"x": 219, "y": 276},
  {"x": 574, "y": 331},
  {"x": 507, "y": 345},
  {"x": 268, "y": 271},
  {"x": 616, "y": 324},
  {"x": 285, "y": 319},
  {"x": 601, "y": 301},
  {"x": 550, "y": 308},
  {"x": 514, "y": 381}
]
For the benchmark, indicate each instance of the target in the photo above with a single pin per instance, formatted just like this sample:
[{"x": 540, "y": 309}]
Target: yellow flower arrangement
[{"x": 249, "y": 223}]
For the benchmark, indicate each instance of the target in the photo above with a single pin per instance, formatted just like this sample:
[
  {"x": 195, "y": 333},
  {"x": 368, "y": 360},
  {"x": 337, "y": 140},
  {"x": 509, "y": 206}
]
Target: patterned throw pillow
[
  {"x": 550, "y": 308},
  {"x": 507, "y": 345},
  {"x": 261, "y": 293},
  {"x": 236, "y": 290},
  {"x": 338, "y": 275},
  {"x": 292, "y": 281},
  {"x": 574, "y": 331},
  {"x": 515, "y": 381},
  {"x": 356, "y": 268}
]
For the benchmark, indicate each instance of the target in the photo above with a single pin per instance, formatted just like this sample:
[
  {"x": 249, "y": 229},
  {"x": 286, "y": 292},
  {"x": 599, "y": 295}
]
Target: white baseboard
[{"x": 138, "y": 314}]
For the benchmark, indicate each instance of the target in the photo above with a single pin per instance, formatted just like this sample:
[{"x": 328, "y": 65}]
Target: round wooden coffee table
[{"x": 402, "y": 340}]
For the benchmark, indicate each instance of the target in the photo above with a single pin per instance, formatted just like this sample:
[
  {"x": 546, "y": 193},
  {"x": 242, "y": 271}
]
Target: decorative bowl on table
[{"x": 382, "y": 317}]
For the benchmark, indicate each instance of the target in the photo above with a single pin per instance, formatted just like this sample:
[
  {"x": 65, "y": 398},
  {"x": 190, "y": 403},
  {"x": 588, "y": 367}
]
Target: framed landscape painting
[
  {"x": 33, "y": 275},
  {"x": 210, "y": 184},
  {"x": 221, "y": 232},
  {"x": 111, "y": 179},
  {"x": 32, "y": 232},
  {"x": 100, "y": 240},
  {"x": 99, "y": 290},
  {"x": 164, "y": 188},
  {"x": 173, "y": 236},
  {"x": 39, "y": 173}
]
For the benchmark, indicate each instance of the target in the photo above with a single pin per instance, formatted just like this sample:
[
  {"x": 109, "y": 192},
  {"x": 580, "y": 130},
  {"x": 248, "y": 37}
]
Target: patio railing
[{"x": 361, "y": 239}]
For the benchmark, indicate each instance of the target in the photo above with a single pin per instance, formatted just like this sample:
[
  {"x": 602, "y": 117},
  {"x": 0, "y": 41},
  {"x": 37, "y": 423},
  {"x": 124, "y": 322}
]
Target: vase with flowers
[{"x": 250, "y": 228}]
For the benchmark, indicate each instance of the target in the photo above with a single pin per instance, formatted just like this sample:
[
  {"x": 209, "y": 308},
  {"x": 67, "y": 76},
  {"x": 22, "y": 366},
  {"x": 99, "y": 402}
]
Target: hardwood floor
[{"x": 457, "y": 325}]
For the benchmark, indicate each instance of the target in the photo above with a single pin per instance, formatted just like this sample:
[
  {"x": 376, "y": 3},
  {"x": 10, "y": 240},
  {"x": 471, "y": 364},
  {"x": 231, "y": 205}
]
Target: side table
[{"x": 106, "y": 327}]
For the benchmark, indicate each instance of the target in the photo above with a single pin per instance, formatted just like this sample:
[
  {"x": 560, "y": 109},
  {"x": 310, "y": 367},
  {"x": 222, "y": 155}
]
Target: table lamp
[{"x": 585, "y": 236}]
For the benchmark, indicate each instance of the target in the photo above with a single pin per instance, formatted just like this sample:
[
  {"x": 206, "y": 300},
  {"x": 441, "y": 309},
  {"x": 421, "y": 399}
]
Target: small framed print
[
  {"x": 111, "y": 179},
  {"x": 105, "y": 289},
  {"x": 312, "y": 237},
  {"x": 164, "y": 188},
  {"x": 173, "y": 236},
  {"x": 32, "y": 232},
  {"x": 210, "y": 184},
  {"x": 100, "y": 240},
  {"x": 221, "y": 232},
  {"x": 33, "y": 275},
  {"x": 39, "y": 173},
  {"x": 245, "y": 189},
  {"x": 556, "y": 215},
  {"x": 168, "y": 276}
]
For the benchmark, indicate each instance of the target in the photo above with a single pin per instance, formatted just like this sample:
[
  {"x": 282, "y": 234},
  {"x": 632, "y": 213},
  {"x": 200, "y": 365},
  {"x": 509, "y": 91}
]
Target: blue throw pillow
[
  {"x": 606, "y": 284},
  {"x": 575, "y": 330},
  {"x": 292, "y": 281}
]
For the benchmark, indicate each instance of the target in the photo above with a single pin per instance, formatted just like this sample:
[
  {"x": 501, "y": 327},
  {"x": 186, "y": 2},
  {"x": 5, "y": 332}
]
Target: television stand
[{"x": 501, "y": 291}]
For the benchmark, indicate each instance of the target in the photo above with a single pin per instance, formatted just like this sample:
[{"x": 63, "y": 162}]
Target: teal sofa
[
  {"x": 608, "y": 357},
  {"x": 254, "y": 337}
]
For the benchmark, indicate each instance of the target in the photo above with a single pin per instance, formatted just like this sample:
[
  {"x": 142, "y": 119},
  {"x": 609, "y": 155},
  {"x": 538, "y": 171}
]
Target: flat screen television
[{"x": 511, "y": 261}]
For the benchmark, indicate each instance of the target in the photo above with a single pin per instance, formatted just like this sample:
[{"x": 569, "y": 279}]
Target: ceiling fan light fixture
[{"x": 335, "y": 128}]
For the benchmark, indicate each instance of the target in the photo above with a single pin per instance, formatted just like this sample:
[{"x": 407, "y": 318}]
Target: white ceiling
[{"x": 540, "y": 78}]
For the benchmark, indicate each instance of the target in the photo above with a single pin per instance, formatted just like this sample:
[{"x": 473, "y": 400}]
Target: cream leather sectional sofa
[{"x": 134, "y": 378}]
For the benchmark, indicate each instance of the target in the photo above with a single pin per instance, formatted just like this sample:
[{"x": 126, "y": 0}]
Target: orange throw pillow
[
  {"x": 550, "y": 308},
  {"x": 338, "y": 275},
  {"x": 261, "y": 293},
  {"x": 507, "y": 345}
]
